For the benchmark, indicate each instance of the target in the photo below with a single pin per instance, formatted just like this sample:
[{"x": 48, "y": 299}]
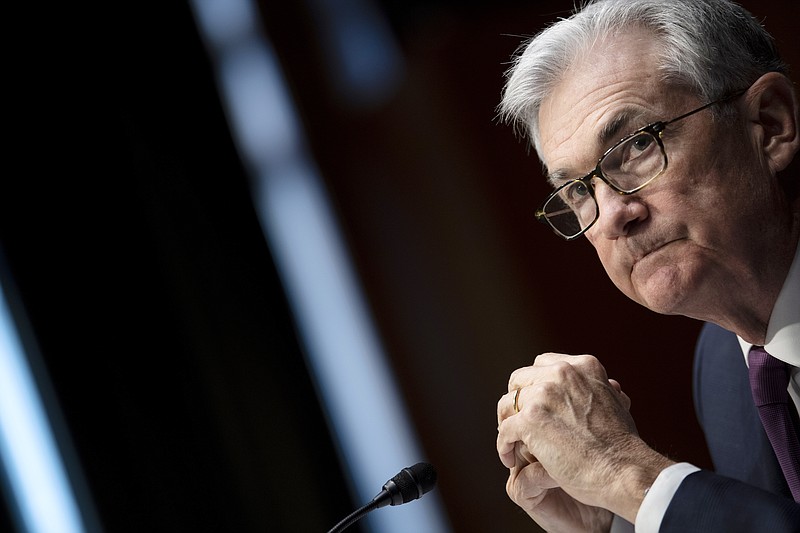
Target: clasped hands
[{"x": 566, "y": 435}]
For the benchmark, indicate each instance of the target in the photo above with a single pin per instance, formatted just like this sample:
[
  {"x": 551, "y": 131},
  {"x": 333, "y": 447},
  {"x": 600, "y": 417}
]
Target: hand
[
  {"x": 573, "y": 450},
  {"x": 531, "y": 487}
]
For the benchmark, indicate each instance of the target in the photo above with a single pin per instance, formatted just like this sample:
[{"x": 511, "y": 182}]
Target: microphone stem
[{"x": 355, "y": 516}]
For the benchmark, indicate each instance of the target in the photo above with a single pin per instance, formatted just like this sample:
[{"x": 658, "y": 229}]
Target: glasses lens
[
  {"x": 634, "y": 162},
  {"x": 628, "y": 166},
  {"x": 571, "y": 209}
]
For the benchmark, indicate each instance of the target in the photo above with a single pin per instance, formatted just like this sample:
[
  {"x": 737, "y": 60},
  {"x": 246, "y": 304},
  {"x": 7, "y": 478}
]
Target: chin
[
  {"x": 665, "y": 304},
  {"x": 663, "y": 291}
]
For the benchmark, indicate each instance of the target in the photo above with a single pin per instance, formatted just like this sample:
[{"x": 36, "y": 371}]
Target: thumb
[
  {"x": 528, "y": 485},
  {"x": 534, "y": 475}
]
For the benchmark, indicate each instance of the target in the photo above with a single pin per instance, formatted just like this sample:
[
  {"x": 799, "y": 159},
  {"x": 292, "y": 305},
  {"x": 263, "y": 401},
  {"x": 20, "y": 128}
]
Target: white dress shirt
[{"x": 783, "y": 342}]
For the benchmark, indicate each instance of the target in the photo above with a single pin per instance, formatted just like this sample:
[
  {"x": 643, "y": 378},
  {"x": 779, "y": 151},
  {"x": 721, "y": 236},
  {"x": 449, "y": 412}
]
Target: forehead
[{"x": 611, "y": 90}]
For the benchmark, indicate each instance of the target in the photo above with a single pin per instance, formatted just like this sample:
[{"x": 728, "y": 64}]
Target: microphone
[{"x": 408, "y": 485}]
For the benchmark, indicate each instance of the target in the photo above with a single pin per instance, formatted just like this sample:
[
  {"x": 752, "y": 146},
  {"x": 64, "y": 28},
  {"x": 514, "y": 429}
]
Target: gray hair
[{"x": 713, "y": 47}]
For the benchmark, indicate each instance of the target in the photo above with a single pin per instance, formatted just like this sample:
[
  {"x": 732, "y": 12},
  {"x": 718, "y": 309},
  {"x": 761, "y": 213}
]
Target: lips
[{"x": 639, "y": 251}]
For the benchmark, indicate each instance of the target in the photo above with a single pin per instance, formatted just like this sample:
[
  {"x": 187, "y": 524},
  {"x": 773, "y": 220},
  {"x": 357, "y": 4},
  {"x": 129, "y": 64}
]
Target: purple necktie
[{"x": 769, "y": 379}]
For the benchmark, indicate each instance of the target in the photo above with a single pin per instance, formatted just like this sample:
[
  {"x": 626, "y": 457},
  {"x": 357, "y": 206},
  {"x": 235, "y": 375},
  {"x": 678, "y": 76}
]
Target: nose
[{"x": 619, "y": 213}]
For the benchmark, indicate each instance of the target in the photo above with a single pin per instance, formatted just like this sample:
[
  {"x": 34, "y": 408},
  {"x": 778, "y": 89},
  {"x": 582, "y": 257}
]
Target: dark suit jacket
[{"x": 747, "y": 492}]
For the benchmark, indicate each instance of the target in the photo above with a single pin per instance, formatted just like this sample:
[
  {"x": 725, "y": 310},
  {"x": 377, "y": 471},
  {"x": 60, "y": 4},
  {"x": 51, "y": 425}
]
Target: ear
[{"x": 773, "y": 110}]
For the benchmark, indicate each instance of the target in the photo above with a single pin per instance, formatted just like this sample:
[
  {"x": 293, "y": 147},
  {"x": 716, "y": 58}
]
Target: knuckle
[
  {"x": 510, "y": 488},
  {"x": 517, "y": 377},
  {"x": 500, "y": 401},
  {"x": 563, "y": 370},
  {"x": 543, "y": 357},
  {"x": 542, "y": 395},
  {"x": 591, "y": 363}
]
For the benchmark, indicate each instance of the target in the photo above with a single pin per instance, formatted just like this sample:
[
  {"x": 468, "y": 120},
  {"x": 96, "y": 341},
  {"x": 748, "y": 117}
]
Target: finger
[
  {"x": 509, "y": 404},
  {"x": 528, "y": 484},
  {"x": 545, "y": 364},
  {"x": 520, "y": 494},
  {"x": 624, "y": 398},
  {"x": 549, "y": 358},
  {"x": 588, "y": 364},
  {"x": 505, "y": 448},
  {"x": 526, "y": 376},
  {"x": 523, "y": 455},
  {"x": 626, "y": 401},
  {"x": 511, "y": 447},
  {"x": 534, "y": 475},
  {"x": 521, "y": 377},
  {"x": 508, "y": 435}
]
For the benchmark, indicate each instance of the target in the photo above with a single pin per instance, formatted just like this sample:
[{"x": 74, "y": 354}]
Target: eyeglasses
[{"x": 627, "y": 167}]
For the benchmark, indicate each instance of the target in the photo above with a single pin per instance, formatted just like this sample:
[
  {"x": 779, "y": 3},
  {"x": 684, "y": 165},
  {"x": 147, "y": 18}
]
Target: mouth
[{"x": 651, "y": 250}]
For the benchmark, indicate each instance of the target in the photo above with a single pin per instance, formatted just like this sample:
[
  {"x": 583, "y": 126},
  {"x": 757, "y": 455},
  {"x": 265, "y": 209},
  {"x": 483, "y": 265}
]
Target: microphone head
[{"x": 411, "y": 483}]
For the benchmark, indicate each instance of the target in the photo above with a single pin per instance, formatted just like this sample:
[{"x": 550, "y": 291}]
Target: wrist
[{"x": 635, "y": 475}]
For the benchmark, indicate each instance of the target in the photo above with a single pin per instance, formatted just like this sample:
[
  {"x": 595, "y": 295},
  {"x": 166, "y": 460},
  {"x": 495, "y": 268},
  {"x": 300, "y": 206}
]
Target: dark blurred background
[{"x": 152, "y": 298}]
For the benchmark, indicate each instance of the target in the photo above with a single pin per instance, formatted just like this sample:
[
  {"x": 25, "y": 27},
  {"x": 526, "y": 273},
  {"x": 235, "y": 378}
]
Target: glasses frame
[{"x": 656, "y": 129}]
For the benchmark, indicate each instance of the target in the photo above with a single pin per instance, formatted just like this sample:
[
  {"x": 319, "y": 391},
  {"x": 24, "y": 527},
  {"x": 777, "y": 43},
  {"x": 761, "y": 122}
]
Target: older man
[{"x": 667, "y": 129}]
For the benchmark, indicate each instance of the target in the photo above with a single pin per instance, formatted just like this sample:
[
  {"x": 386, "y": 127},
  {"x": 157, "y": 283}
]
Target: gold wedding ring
[{"x": 516, "y": 401}]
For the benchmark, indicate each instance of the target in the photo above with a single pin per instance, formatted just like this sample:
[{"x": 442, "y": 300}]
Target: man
[{"x": 695, "y": 211}]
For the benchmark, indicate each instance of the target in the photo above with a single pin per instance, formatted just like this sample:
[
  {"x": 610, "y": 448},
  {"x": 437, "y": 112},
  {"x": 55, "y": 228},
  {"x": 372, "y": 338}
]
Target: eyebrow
[
  {"x": 554, "y": 177},
  {"x": 611, "y": 130},
  {"x": 608, "y": 133}
]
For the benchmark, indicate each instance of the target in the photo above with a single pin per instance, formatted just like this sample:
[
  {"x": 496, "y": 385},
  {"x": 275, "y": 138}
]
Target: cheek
[
  {"x": 715, "y": 170},
  {"x": 684, "y": 197},
  {"x": 617, "y": 269}
]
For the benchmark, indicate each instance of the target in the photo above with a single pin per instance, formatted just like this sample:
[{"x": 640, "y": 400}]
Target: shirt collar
[{"x": 783, "y": 330}]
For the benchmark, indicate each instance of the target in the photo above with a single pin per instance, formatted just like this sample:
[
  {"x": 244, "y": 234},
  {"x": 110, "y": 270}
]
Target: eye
[
  {"x": 634, "y": 161},
  {"x": 575, "y": 191},
  {"x": 641, "y": 143},
  {"x": 631, "y": 156},
  {"x": 639, "y": 146}
]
